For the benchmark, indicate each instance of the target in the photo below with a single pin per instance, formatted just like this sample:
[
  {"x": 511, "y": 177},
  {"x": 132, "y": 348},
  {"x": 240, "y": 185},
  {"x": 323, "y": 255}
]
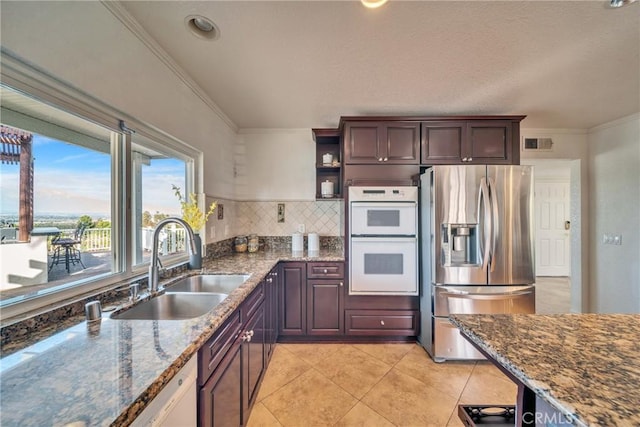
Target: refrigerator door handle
[
  {"x": 486, "y": 296},
  {"x": 494, "y": 221},
  {"x": 483, "y": 204}
]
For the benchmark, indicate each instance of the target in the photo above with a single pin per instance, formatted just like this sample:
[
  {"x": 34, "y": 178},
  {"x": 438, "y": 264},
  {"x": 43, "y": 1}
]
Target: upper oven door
[{"x": 384, "y": 218}]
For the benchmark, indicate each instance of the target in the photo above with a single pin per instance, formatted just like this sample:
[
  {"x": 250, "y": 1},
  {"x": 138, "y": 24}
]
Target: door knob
[
  {"x": 567, "y": 225},
  {"x": 379, "y": 159},
  {"x": 385, "y": 159},
  {"x": 470, "y": 159},
  {"x": 464, "y": 159},
  {"x": 382, "y": 322},
  {"x": 341, "y": 284}
]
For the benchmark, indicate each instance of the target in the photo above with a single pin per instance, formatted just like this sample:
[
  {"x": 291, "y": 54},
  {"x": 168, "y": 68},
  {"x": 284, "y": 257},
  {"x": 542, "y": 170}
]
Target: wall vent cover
[{"x": 537, "y": 144}]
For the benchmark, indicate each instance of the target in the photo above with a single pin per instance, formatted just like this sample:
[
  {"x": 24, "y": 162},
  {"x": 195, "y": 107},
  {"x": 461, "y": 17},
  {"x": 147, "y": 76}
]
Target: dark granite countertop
[
  {"x": 105, "y": 374},
  {"x": 587, "y": 366}
]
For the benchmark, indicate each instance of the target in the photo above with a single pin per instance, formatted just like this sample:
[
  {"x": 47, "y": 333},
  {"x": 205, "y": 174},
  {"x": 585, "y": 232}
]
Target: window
[
  {"x": 64, "y": 222},
  {"x": 154, "y": 174}
]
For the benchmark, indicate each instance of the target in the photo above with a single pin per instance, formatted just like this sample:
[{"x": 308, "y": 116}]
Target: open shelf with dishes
[{"x": 328, "y": 164}]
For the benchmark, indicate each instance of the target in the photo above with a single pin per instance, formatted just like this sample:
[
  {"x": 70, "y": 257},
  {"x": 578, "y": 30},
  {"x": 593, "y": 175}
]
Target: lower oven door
[
  {"x": 383, "y": 266},
  {"x": 484, "y": 300}
]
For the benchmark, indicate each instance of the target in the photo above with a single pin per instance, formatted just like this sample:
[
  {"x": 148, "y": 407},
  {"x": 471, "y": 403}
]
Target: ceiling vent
[{"x": 537, "y": 144}]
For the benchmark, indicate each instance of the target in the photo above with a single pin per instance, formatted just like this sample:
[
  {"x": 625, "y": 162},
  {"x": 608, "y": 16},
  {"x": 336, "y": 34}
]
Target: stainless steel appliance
[
  {"x": 477, "y": 250},
  {"x": 383, "y": 244}
]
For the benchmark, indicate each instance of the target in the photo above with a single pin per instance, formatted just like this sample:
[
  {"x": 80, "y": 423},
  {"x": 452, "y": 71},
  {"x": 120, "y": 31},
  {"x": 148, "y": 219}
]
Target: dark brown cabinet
[
  {"x": 292, "y": 298},
  {"x": 271, "y": 310},
  {"x": 382, "y": 142},
  {"x": 470, "y": 142},
  {"x": 311, "y": 299},
  {"x": 231, "y": 365},
  {"x": 325, "y": 298}
]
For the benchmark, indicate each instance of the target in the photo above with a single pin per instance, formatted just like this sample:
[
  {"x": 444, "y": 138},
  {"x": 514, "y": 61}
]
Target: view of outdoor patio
[{"x": 57, "y": 176}]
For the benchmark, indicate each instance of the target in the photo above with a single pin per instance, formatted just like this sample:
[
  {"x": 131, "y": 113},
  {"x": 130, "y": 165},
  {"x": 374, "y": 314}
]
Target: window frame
[{"x": 38, "y": 84}]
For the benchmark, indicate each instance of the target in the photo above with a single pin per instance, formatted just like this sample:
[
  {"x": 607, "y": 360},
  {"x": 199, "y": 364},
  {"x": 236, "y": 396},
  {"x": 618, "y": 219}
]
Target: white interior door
[{"x": 552, "y": 228}]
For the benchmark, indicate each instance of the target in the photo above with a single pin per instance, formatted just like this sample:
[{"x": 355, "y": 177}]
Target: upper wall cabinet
[
  {"x": 470, "y": 142},
  {"x": 381, "y": 142}
]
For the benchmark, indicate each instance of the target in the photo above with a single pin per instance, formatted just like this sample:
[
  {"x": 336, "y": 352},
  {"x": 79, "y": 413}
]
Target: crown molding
[
  {"x": 116, "y": 8},
  {"x": 614, "y": 123}
]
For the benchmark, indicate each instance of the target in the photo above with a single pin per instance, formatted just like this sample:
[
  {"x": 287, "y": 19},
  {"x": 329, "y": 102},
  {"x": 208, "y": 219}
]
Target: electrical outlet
[
  {"x": 617, "y": 239},
  {"x": 301, "y": 228}
]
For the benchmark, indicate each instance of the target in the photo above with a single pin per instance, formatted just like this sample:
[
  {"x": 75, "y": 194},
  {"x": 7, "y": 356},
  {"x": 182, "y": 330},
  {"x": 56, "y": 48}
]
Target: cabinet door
[
  {"x": 443, "y": 142},
  {"x": 489, "y": 142},
  {"x": 401, "y": 144},
  {"x": 253, "y": 359},
  {"x": 220, "y": 400},
  {"x": 293, "y": 298},
  {"x": 362, "y": 142},
  {"x": 382, "y": 142},
  {"x": 325, "y": 307}
]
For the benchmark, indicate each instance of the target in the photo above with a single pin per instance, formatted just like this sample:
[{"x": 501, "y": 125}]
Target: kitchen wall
[{"x": 614, "y": 183}]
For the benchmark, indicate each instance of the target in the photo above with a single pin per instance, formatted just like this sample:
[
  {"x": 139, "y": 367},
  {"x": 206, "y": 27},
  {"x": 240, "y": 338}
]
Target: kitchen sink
[
  {"x": 217, "y": 283},
  {"x": 172, "y": 306}
]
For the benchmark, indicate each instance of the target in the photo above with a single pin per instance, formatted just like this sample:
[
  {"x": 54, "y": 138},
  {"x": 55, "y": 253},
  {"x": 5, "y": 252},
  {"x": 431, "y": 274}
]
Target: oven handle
[
  {"x": 383, "y": 238},
  {"x": 387, "y": 204}
]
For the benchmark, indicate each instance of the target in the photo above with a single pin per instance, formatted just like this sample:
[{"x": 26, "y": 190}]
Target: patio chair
[{"x": 70, "y": 247}]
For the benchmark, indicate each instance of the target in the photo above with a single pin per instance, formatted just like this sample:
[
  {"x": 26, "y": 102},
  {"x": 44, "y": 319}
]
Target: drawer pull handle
[
  {"x": 325, "y": 271},
  {"x": 269, "y": 280},
  {"x": 341, "y": 284},
  {"x": 382, "y": 322}
]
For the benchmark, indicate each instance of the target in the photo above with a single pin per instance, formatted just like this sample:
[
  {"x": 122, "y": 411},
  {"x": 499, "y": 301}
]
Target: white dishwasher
[{"x": 177, "y": 403}]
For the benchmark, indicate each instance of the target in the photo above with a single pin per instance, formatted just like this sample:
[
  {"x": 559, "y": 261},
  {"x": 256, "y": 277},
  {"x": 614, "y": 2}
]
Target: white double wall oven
[{"x": 383, "y": 240}]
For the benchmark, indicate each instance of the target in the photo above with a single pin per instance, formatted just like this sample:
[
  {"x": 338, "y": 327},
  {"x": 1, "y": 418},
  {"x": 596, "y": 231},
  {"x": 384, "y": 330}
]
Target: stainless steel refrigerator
[{"x": 476, "y": 243}]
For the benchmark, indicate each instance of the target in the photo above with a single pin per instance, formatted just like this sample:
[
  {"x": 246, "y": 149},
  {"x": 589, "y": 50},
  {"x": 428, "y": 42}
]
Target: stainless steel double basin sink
[{"x": 188, "y": 298}]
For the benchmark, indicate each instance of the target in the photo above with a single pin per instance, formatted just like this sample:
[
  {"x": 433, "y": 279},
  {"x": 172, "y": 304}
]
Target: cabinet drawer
[
  {"x": 381, "y": 322},
  {"x": 323, "y": 270},
  {"x": 214, "y": 350},
  {"x": 253, "y": 301}
]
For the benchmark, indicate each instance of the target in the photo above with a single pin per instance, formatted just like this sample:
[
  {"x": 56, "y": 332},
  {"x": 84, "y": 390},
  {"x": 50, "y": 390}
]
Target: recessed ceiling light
[
  {"x": 201, "y": 26},
  {"x": 620, "y": 3},
  {"x": 372, "y": 4}
]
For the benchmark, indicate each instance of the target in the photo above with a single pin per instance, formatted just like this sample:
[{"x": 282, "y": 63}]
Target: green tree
[
  {"x": 147, "y": 220},
  {"x": 86, "y": 221},
  {"x": 157, "y": 217}
]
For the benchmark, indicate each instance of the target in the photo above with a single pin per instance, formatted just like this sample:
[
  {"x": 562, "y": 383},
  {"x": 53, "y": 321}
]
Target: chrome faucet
[{"x": 153, "y": 267}]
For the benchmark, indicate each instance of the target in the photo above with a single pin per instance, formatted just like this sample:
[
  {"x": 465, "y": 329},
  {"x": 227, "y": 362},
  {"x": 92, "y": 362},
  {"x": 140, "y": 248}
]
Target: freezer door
[
  {"x": 484, "y": 300},
  {"x": 511, "y": 194},
  {"x": 456, "y": 201}
]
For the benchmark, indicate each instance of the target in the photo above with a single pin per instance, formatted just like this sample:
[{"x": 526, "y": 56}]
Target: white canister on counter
[
  {"x": 313, "y": 242},
  {"x": 327, "y": 159},
  {"x": 297, "y": 242},
  {"x": 326, "y": 189}
]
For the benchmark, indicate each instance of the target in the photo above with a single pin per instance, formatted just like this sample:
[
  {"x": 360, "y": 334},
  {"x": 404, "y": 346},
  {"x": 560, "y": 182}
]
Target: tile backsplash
[{"x": 261, "y": 217}]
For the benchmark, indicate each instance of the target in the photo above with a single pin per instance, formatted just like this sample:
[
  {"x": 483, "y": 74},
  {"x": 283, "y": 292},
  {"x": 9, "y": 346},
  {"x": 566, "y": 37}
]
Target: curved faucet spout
[{"x": 153, "y": 267}]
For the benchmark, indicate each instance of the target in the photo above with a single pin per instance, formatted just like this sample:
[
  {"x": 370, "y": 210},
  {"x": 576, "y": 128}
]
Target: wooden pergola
[{"x": 16, "y": 149}]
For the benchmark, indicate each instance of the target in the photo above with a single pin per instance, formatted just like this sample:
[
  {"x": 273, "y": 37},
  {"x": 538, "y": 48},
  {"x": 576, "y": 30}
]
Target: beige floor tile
[
  {"x": 312, "y": 353},
  {"x": 406, "y": 401},
  {"x": 261, "y": 417},
  {"x": 454, "y": 420},
  {"x": 283, "y": 368},
  {"x": 447, "y": 377},
  {"x": 388, "y": 353},
  {"x": 353, "y": 370},
  {"x": 485, "y": 387},
  {"x": 363, "y": 416},
  {"x": 311, "y": 399}
]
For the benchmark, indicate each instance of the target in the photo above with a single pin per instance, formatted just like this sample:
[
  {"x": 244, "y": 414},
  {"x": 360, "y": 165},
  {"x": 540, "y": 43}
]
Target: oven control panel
[{"x": 386, "y": 194}]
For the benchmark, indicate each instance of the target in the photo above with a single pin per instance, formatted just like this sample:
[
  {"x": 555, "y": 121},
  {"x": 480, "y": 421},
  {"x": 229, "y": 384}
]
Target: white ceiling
[{"x": 302, "y": 64}]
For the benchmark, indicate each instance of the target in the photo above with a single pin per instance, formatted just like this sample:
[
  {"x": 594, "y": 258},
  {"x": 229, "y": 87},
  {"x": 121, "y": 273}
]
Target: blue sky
[{"x": 70, "y": 179}]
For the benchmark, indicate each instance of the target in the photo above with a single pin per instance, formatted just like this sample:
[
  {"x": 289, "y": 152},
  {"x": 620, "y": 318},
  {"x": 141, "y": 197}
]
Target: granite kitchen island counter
[
  {"x": 587, "y": 366},
  {"x": 105, "y": 373}
]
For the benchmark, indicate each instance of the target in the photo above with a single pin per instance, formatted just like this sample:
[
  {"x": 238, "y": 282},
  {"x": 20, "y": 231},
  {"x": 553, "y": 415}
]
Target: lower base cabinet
[{"x": 232, "y": 364}]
